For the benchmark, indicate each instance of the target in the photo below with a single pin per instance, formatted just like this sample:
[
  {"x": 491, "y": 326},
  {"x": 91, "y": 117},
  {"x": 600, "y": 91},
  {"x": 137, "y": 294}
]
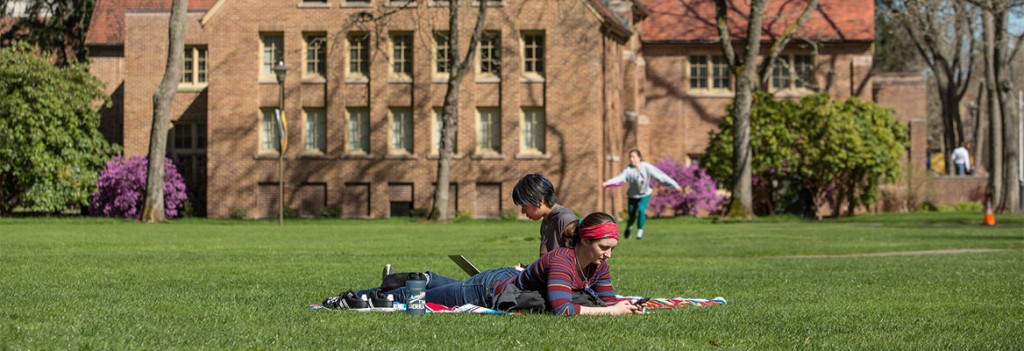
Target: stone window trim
[
  {"x": 401, "y": 3},
  {"x": 357, "y": 146},
  {"x": 267, "y": 144},
  {"x": 440, "y": 65},
  {"x": 797, "y": 72},
  {"x": 266, "y": 68},
  {"x": 314, "y": 44},
  {"x": 313, "y": 4},
  {"x": 488, "y": 131},
  {"x": 356, "y": 3},
  {"x": 476, "y": 4},
  {"x": 357, "y": 65},
  {"x": 532, "y": 58},
  {"x": 195, "y": 75},
  {"x": 714, "y": 69},
  {"x": 488, "y": 57},
  {"x": 534, "y": 144},
  {"x": 401, "y": 133},
  {"x": 402, "y": 56},
  {"x": 314, "y": 133}
]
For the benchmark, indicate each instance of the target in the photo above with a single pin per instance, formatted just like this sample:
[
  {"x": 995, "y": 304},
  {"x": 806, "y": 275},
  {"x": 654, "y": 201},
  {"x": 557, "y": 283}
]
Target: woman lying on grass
[{"x": 581, "y": 268}]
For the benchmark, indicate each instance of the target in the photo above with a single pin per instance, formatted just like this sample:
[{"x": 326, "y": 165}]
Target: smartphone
[{"x": 641, "y": 301}]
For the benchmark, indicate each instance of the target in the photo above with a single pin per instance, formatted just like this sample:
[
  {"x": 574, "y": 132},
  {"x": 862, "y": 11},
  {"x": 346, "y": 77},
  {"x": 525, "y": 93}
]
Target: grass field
[{"x": 79, "y": 283}]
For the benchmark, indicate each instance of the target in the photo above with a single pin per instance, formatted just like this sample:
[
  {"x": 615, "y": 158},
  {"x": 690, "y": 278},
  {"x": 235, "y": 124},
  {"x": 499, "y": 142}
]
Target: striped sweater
[{"x": 556, "y": 275}]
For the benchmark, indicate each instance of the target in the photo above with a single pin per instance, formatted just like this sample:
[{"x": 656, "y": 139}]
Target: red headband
[{"x": 600, "y": 231}]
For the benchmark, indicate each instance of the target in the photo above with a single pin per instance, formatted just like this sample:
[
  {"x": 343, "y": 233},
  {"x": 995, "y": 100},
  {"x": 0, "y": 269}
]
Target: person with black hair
[
  {"x": 557, "y": 279},
  {"x": 639, "y": 176},
  {"x": 536, "y": 197}
]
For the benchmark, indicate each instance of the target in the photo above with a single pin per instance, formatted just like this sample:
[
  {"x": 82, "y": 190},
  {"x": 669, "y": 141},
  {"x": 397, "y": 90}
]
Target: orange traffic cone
[{"x": 990, "y": 219}]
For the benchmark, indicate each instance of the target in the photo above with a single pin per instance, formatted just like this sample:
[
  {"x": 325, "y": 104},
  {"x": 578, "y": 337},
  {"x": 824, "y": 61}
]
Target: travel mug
[{"x": 416, "y": 296}]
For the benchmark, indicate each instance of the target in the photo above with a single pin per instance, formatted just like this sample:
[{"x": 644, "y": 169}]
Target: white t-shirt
[{"x": 960, "y": 156}]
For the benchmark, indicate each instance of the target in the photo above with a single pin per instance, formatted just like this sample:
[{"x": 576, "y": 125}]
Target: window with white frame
[
  {"x": 533, "y": 130},
  {"x": 442, "y": 54},
  {"x": 401, "y": 130},
  {"x": 269, "y": 139},
  {"x": 435, "y": 145},
  {"x": 194, "y": 72},
  {"x": 489, "y": 47},
  {"x": 358, "y": 134},
  {"x": 401, "y": 54},
  {"x": 533, "y": 54},
  {"x": 358, "y": 54},
  {"x": 488, "y": 130},
  {"x": 709, "y": 72},
  {"x": 316, "y": 56},
  {"x": 272, "y": 47},
  {"x": 793, "y": 72},
  {"x": 316, "y": 130}
]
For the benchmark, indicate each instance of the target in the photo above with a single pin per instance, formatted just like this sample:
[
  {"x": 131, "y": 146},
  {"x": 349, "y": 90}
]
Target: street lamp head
[{"x": 280, "y": 70}]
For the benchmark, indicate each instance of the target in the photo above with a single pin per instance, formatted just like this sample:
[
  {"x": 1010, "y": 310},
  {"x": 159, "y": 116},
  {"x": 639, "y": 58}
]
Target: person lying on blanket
[{"x": 560, "y": 276}]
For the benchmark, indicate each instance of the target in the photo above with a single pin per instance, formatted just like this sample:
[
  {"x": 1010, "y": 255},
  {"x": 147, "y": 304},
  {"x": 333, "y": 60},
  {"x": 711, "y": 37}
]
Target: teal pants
[{"x": 638, "y": 212}]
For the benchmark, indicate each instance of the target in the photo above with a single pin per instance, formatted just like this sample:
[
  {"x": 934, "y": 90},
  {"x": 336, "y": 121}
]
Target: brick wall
[{"x": 580, "y": 125}]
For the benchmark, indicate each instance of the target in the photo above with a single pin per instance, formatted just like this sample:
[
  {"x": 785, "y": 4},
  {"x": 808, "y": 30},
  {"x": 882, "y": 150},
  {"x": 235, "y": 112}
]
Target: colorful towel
[{"x": 654, "y": 303}]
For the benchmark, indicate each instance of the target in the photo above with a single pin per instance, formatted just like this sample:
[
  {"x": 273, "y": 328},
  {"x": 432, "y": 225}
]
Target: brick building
[{"x": 560, "y": 87}]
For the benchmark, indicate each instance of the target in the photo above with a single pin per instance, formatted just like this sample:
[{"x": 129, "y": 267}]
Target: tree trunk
[
  {"x": 1010, "y": 200},
  {"x": 162, "y": 99},
  {"x": 979, "y": 133},
  {"x": 450, "y": 111},
  {"x": 995, "y": 127},
  {"x": 747, "y": 75}
]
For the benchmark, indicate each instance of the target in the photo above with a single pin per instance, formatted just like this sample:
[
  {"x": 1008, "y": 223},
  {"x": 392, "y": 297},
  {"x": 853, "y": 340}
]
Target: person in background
[
  {"x": 639, "y": 176},
  {"x": 961, "y": 159},
  {"x": 536, "y": 196}
]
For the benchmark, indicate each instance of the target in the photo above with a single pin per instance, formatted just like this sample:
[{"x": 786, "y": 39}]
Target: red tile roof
[
  {"x": 694, "y": 20},
  {"x": 107, "y": 27}
]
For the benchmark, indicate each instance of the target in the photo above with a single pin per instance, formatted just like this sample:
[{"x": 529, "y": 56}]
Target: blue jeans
[
  {"x": 477, "y": 290},
  {"x": 961, "y": 169}
]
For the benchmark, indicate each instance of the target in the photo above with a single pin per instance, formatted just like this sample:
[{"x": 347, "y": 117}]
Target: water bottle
[{"x": 416, "y": 296}]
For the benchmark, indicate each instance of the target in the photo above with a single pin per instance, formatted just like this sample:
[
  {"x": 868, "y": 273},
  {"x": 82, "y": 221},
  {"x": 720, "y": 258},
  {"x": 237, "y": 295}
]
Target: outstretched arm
[
  {"x": 661, "y": 176},
  {"x": 617, "y": 180}
]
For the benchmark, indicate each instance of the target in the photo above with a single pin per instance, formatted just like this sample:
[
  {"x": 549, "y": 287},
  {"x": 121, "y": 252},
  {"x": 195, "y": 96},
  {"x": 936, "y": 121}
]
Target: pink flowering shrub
[
  {"x": 699, "y": 195},
  {"x": 122, "y": 188}
]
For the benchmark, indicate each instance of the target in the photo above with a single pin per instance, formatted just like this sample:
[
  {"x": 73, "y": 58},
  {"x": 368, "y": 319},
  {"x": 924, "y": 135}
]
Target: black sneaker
[
  {"x": 626, "y": 235},
  {"x": 346, "y": 300},
  {"x": 379, "y": 300}
]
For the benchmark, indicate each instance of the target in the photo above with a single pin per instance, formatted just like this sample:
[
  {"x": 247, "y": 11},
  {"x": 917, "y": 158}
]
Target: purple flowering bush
[
  {"x": 699, "y": 195},
  {"x": 122, "y": 188}
]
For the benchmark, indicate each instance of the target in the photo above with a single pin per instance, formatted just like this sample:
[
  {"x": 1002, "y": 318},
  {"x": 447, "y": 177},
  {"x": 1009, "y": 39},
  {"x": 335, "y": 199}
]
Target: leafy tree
[
  {"x": 56, "y": 26},
  {"x": 50, "y": 142},
  {"x": 812, "y": 152}
]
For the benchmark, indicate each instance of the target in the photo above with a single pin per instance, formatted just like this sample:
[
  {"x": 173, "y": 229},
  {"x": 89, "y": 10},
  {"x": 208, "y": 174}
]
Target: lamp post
[{"x": 280, "y": 70}]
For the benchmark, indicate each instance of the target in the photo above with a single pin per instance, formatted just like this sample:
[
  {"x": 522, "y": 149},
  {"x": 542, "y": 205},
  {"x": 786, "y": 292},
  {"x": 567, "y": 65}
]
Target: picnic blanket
[{"x": 652, "y": 304}]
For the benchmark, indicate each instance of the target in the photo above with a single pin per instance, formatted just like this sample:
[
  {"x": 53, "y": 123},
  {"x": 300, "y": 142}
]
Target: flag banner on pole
[{"x": 282, "y": 129}]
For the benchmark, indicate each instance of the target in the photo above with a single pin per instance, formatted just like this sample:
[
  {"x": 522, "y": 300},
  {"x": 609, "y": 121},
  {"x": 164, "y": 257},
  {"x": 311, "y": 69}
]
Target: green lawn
[{"x": 79, "y": 283}]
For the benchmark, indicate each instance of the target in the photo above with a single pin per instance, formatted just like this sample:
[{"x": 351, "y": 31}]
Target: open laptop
[{"x": 466, "y": 266}]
